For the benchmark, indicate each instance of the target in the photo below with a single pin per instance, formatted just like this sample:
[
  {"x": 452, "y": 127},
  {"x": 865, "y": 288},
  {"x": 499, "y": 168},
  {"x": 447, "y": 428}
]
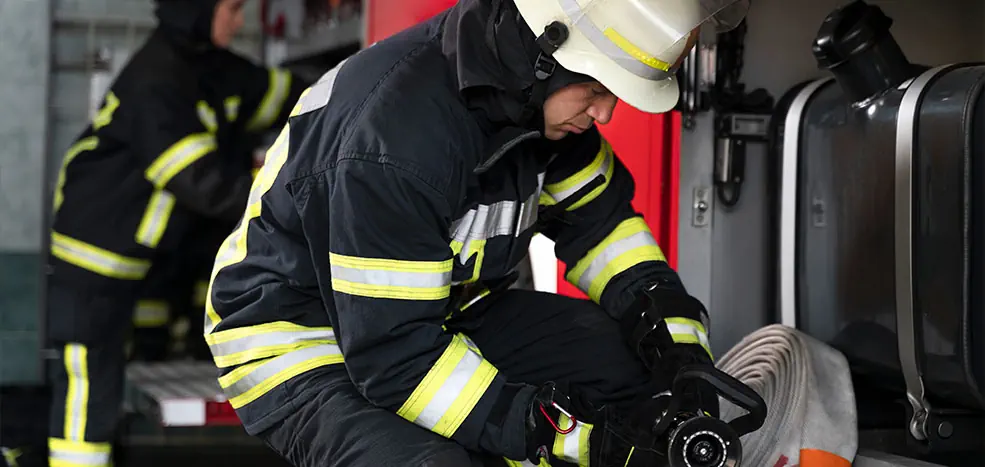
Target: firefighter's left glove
[
  {"x": 667, "y": 328},
  {"x": 602, "y": 438}
]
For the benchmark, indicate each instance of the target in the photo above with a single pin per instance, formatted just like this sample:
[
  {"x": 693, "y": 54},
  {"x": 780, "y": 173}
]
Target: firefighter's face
[
  {"x": 227, "y": 21},
  {"x": 575, "y": 108}
]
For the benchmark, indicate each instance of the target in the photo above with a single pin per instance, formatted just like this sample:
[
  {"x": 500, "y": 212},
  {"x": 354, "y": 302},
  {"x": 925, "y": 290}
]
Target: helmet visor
[{"x": 724, "y": 15}]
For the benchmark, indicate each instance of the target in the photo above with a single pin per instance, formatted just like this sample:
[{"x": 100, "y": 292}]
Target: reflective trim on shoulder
[
  {"x": 179, "y": 156},
  {"x": 390, "y": 278},
  {"x": 688, "y": 331},
  {"x": 248, "y": 382},
  {"x": 629, "y": 244},
  {"x": 318, "y": 95},
  {"x": 242, "y": 345},
  {"x": 451, "y": 389},
  {"x": 105, "y": 115},
  {"x": 233, "y": 248},
  {"x": 572, "y": 447},
  {"x": 155, "y": 219},
  {"x": 603, "y": 165},
  {"x": 470, "y": 233},
  {"x": 85, "y": 144},
  {"x": 97, "y": 260},
  {"x": 64, "y": 453},
  {"x": 278, "y": 88}
]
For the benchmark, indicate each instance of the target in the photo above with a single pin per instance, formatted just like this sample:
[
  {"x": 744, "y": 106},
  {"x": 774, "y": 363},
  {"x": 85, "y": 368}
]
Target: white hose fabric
[{"x": 811, "y": 419}]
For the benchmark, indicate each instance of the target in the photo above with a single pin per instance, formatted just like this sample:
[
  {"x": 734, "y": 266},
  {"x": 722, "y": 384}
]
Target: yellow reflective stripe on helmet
[
  {"x": 634, "y": 51},
  {"x": 97, "y": 260},
  {"x": 629, "y": 244},
  {"x": 233, "y": 248},
  {"x": 451, "y": 389},
  {"x": 242, "y": 345},
  {"x": 77, "y": 453},
  {"x": 572, "y": 447},
  {"x": 151, "y": 313},
  {"x": 248, "y": 382},
  {"x": 688, "y": 331},
  {"x": 390, "y": 278},
  {"x": 603, "y": 164},
  {"x": 180, "y": 155},
  {"x": 277, "y": 90},
  {"x": 155, "y": 219},
  {"x": 82, "y": 145}
]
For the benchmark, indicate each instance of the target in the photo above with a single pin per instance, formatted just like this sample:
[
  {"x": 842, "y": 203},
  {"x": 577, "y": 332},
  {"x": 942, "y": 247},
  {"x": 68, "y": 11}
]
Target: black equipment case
[{"x": 882, "y": 221}]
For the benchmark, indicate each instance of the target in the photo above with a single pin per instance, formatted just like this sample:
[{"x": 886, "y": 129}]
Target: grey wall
[
  {"x": 24, "y": 48},
  {"x": 724, "y": 264}
]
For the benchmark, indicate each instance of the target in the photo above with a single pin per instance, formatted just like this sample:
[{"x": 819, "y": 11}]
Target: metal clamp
[{"x": 906, "y": 326}]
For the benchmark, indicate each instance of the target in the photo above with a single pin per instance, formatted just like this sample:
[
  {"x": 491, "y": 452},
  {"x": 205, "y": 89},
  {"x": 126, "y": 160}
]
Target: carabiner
[{"x": 558, "y": 429}]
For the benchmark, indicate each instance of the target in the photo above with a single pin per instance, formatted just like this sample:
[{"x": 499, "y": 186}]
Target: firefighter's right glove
[
  {"x": 603, "y": 438},
  {"x": 667, "y": 328}
]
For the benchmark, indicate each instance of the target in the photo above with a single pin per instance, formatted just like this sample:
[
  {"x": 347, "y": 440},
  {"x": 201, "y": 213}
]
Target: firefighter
[
  {"x": 169, "y": 149},
  {"x": 361, "y": 313}
]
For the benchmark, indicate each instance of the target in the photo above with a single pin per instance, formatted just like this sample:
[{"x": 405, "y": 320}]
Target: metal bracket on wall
[{"x": 701, "y": 207}]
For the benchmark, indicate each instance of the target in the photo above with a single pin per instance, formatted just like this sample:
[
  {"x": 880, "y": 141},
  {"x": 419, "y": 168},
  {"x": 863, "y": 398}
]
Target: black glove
[
  {"x": 667, "y": 329},
  {"x": 600, "y": 438}
]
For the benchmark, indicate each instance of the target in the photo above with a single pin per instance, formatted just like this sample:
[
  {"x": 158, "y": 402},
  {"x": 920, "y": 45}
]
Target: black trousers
[
  {"x": 531, "y": 337},
  {"x": 89, "y": 330}
]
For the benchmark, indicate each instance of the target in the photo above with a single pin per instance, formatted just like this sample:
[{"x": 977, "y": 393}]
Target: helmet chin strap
[{"x": 549, "y": 41}]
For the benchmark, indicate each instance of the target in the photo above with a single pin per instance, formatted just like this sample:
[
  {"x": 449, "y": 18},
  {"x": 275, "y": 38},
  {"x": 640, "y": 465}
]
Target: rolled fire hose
[{"x": 807, "y": 387}]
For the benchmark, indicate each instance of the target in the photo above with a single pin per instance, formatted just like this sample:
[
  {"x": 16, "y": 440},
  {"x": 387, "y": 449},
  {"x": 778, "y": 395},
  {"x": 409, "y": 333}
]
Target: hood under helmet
[{"x": 187, "y": 22}]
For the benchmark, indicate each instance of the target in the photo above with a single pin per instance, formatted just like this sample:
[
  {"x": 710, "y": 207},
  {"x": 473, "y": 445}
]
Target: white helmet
[{"x": 632, "y": 47}]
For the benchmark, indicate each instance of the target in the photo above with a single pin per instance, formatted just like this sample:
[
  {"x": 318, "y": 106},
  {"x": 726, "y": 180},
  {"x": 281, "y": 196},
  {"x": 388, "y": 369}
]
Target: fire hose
[{"x": 810, "y": 419}]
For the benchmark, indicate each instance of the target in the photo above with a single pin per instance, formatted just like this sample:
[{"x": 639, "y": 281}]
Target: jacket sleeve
[
  {"x": 180, "y": 155},
  {"x": 606, "y": 246},
  {"x": 269, "y": 97},
  {"x": 391, "y": 265}
]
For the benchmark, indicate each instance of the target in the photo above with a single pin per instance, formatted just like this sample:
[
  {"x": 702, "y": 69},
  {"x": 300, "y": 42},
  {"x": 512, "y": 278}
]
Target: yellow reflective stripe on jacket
[
  {"x": 96, "y": 259},
  {"x": 231, "y": 105},
  {"x": 151, "y": 313},
  {"x": 248, "y": 382},
  {"x": 179, "y": 156},
  {"x": 277, "y": 90},
  {"x": 155, "y": 219},
  {"x": 451, "y": 389},
  {"x": 201, "y": 293},
  {"x": 105, "y": 114},
  {"x": 65, "y": 453},
  {"x": 629, "y": 244},
  {"x": 470, "y": 233},
  {"x": 207, "y": 116},
  {"x": 233, "y": 248},
  {"x": 572, "y": 447},
  {"x": 85, "y": 144},
  {"x": 688, "y": 331},
  {"x": 603, "y": 164},
  {"x": 526, "y": 463},
  {"x": 390, "y": 278},
  {"x": 242, "y": 345}
]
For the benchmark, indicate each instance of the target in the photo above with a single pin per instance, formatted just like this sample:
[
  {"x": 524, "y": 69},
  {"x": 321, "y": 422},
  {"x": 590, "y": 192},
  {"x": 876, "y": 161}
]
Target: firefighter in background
[
  {"x": 169, "y": 149},
  {"x": 361, "y": 312}
]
